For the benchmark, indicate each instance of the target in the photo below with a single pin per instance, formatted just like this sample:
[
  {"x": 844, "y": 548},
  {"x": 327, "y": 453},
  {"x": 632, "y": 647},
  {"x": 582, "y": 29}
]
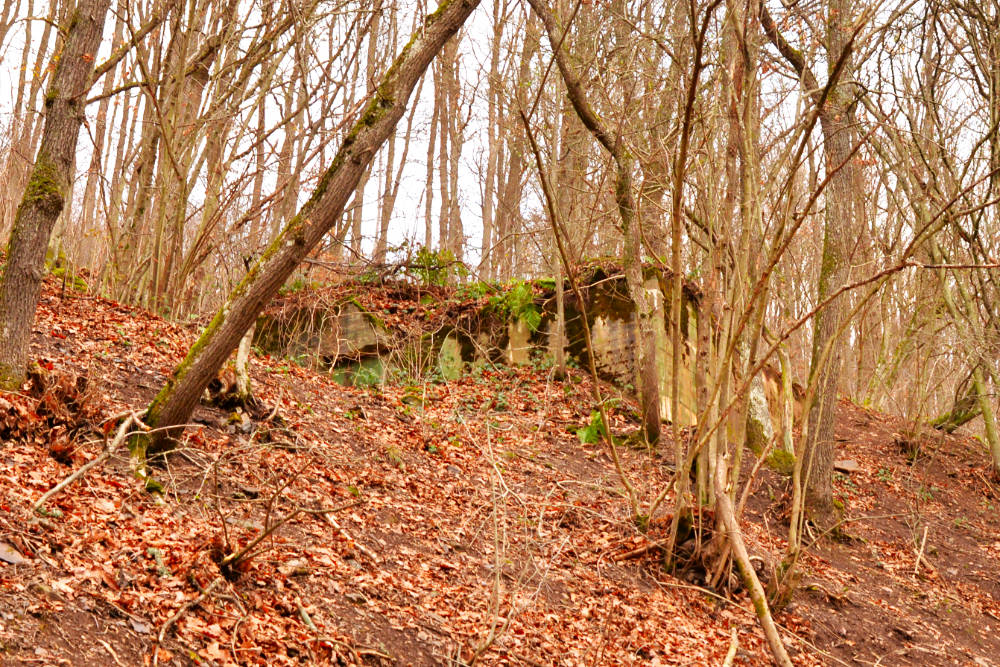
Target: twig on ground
[
  {"x": 734, "y": 643},
  {"x": 123, "y": 432},
  {"x": 357, "y": 652},
  {"x": 920, "y": 554},
  {"x": 347, "y": 536},
  {"x": 110, "y": 650},
  {"x": 180, "y": 613}
]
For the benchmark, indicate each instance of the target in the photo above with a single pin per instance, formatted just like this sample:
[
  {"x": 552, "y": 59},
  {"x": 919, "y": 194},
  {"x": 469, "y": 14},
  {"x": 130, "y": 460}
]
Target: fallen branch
[
  {"x": 734, "y": 643},
  {"x": 724, "y": 506},
  {"x": 642, "y": 551},
  {"x": 233, "y": 559},
  {"x": 122, "y": 433},
  {"x": 180, "y": 612}
]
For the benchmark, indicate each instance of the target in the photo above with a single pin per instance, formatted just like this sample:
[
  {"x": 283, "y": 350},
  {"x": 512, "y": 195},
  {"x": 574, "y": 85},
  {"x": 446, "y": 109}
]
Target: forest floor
[{"x": 440, "y": 523}]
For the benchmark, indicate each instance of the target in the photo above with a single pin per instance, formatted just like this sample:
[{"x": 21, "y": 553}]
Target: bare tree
[
  {"x": 171, "y": 408},
  {"x": 47, "y": 189},
  {"x": 836, "y": 116}
]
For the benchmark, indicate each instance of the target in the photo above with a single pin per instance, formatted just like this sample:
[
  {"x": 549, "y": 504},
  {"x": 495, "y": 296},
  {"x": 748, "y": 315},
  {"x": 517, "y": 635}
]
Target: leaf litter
[{"x": 448, "y": 530}]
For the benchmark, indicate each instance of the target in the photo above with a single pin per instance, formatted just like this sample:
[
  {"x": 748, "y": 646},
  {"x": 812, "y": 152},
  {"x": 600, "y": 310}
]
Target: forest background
[{"x": 826, "y": 173}]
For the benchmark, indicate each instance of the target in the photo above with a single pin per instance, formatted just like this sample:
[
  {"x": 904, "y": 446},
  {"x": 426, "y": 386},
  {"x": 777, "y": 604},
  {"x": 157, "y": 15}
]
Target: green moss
[
  {"x": 781, "y": 462},
  {"x": 74, "y": 282},
  {"x": 434, "y": 16},
  {"x": 372, "y": 318},
  {"x": 138, "y": 444},
  {"x": 545, "y": 283},
  {"x": 44, "y": 189},
  {"x": 73, "y": 22}
]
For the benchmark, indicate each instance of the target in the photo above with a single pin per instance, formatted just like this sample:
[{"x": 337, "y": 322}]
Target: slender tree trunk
[
  {"x": 48, "y": 186},
  {"x": 88, "y": 210},
  {"x": 172, "y": 407},
  {"x": 560, "y": 333},
  {"x": 358, "y": 207},
  {"x": 429, "y": 179},
  {"x": 442, "y": 88},
  {"x": 837, "y": 125},
  {"x": 632, "y": 257},
  {"x": 493, "y": 148},
  {"x": 24, "y": 125}
]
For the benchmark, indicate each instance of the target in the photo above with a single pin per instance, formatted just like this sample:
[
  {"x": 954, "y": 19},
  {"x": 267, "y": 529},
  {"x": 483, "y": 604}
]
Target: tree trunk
[
  {"x": 172, "y": 407},
  {"x": 962, "y": 412},
  {"x": 836, "y": 122},
  {"x": 826, "y": 348},
  {"x": 47, "y": 189},
  {"x": 649, "y": 390}
]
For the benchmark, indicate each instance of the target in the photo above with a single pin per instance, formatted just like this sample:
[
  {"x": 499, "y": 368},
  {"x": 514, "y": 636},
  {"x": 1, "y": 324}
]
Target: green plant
[
  {"x": 123, "y": 335},
  {"x": 368, "y": 376},
  {"x": 591, "y": 433},
  {"x": 518, "y": 302},
  {"x": 474, "y": 291},
  {"x": 884, "y": 474},
  {"x": 298, "y": 284},
  {"x": 541, "y": 361},
  {"x": 437, "y": 267},
  {"x": 845, "y": 480}
]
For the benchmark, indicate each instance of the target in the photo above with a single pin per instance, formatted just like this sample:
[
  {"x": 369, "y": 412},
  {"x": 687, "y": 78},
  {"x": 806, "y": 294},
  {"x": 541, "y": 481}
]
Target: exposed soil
[{"x": 441, "y": 523}]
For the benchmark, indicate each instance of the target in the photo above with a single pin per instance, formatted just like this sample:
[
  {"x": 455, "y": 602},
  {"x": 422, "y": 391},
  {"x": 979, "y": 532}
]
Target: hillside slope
[{"x": 437, "y": 523}]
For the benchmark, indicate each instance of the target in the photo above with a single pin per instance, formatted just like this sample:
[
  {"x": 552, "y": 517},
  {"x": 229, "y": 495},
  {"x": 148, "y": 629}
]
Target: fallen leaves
[{"x": 466, "y": 523}]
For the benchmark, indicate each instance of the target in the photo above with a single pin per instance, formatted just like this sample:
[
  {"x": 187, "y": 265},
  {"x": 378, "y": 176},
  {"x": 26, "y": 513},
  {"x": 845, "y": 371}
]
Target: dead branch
[
  {"x": 642, "y": 551},
  {"x": 920, "y": 554},
  {"x": 120, "y": 435},
  {"x": 180, "y": 613},
  {"x": 724, "y": 506},
  {"x": 734, "y": 643}
]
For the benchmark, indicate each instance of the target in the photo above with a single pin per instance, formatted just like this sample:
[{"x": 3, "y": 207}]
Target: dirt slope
[{"x": 439, "y": 523}]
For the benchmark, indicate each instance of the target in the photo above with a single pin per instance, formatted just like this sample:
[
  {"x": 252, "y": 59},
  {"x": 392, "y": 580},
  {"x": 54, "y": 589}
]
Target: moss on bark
[
  {"x": 172, "y": 406},
  {"x": 44, "y": 189}
]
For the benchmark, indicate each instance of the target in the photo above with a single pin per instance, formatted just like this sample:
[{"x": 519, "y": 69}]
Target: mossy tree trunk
[
  {"x": 170, "y": 410},
  {"x": 839, "y": 135},
  {"x": 48, "y": 188},
  {"x": 962, "y": 412}
]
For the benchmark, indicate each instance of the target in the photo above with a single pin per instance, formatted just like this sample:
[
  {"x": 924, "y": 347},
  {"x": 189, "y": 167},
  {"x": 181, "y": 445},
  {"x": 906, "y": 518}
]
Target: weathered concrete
[{"x": 344, "y": 339}]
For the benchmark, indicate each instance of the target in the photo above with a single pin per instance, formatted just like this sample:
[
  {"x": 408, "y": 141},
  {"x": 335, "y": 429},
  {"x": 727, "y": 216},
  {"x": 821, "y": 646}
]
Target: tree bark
[
  {"x": 836, "y": 123},
  {"x": 632, "y": 257},
  {"x": 172, "y": 407},
  {"x": 47, "y": 189}
]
